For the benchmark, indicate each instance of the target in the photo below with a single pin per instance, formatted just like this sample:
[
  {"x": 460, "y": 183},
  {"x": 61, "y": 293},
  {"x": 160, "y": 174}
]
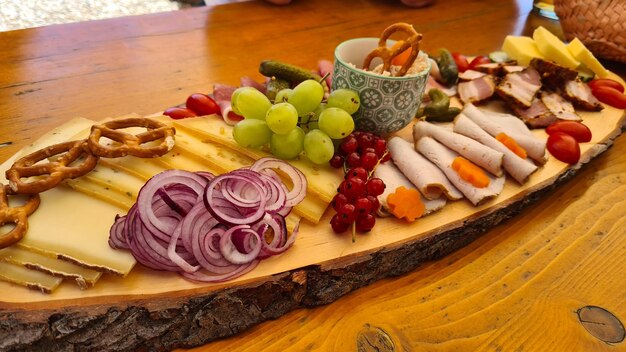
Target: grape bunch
[
  {"x": 356, "y": 202},
  {"x": 297, "y": 121}
]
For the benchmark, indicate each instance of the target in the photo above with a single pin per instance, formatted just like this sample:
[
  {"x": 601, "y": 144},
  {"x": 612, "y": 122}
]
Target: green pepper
[{"x": 447, "y": 67}]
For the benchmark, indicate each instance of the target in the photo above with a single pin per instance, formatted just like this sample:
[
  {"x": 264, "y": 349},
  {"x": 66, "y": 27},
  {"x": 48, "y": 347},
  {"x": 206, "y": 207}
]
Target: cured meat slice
[
  {"x": 520, "y": 169},
  {"x": 443, "y": 158},
  {"x": 495, "y": 123},
  {"x": 560, "y": 107},
  {"x": 580, "y": 95},
  {"x": 520, "y": 88},
  {"x": 553, "y": 75},
  {"x": 394, "y": 178},
  {"x": 497, "y": 69},
  {"x": 469, "y": 75},
  {"x": 480, "y": 154},
  {"x": 222, "y": 95},
  {"x": 536, "y": 116},
  {"x": 513, "y": 68},
  {"x": 428, "y": 179},
  {"x": 477, "y": 90},
  {"x": 431, "y": 83}
]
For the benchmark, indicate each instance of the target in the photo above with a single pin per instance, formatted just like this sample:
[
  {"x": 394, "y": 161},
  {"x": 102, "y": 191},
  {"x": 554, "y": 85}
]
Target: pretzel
[
  {"x": 387, "y": 55},
  {"x": 15, "y": 215},
  {"x": 52, "y": 172},
  {"x": 131, "y": 144}
]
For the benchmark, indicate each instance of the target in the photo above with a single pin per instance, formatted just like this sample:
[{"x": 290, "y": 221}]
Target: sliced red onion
[
  {"x": 228, "y": 218},
  {"x": 240, "y": 233},
  {"x": 117, "y": 238},
  {"x": 239, "y": 271},
  {"x": 298, "y": 180}
]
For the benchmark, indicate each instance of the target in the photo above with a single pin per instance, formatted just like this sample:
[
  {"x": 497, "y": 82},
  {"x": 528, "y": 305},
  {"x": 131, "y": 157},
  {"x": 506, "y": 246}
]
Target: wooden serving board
[{"x": 165, "y": 311}]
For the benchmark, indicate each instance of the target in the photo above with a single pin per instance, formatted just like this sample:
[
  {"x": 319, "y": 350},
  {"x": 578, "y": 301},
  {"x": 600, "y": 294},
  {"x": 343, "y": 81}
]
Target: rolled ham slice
[
  {"x": 520, "y": 169},
  {"x": 427, "y": 177},
  {"x": 477, "y": 90},
  {"x": 394, "y": 178},
  {"x": 495, "y": 123},
  {"x": 443, "y": 158},
  {"x": 222, "y": 95},
  {"x": 480, "y": 154}
]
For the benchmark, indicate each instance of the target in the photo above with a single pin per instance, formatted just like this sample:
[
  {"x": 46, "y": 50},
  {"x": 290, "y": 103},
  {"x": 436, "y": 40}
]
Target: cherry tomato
[
  {"x": 202, "y": 104},
  {"x": 610, "y": 96},
  {"x": 479, "y": 60},
  {"x": 580, "y": 132},
  {"x": 605, "y": 82},
  {"x": 179, "y": 113},
  {"x": 461, "y": 62},
  {"x": 564, "y": 147}
]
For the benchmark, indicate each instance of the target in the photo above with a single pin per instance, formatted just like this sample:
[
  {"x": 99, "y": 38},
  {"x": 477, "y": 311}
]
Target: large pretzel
[
  {"x": 52, "y": 172},
  {"x": 131, "y": 144},
  {"x": 15, "y": 215},
  {"x": 386, "y": 54}
]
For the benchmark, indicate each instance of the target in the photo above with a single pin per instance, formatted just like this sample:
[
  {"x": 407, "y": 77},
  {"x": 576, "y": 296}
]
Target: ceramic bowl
[{"x": 387, "y": 103}]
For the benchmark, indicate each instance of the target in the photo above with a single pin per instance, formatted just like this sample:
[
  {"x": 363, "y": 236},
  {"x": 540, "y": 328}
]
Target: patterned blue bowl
[{"x": 388, "y": 103}]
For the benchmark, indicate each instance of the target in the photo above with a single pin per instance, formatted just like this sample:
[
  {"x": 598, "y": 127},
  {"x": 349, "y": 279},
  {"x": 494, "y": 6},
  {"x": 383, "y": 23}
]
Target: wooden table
[{"x": 525, "y": 285}]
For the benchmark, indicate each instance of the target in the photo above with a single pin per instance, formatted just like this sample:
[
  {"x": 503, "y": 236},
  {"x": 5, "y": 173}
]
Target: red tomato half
[
  {"x": 605, "y": 82},
  {"x": 610, "y": 96},
  {"x": 580, "y": 132},
  {"x": 461, "y": 62},
  {"x": 479, "y": 60},
  {"x": 179, "y": 113},
  {"x": 202, "y": 104},
  {"x": 564, "y": 147}
]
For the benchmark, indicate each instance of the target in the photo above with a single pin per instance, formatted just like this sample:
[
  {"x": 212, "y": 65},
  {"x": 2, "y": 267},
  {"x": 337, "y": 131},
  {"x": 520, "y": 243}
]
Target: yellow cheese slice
[
  {"x": 553, "y": 48},
  {"x": 32, "y": 260},
  {"x": 521, "y": 49},
  {"x": 30, "y": 278},
  {"x": 117, "y": 180},
  {"x": 119, "y": 199},
  {"x": 62, "y": 133},
  {"x": 582, "y": 54}
]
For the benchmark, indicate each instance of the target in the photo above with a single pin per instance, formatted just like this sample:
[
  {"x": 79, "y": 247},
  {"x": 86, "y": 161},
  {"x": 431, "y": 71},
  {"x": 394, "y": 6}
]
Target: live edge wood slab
[{"x": 544, "y": 280}]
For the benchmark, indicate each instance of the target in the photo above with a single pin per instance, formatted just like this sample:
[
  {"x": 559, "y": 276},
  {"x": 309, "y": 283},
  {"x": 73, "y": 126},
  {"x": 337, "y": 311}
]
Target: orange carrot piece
[
  {"x": 400, "y": 59},
  {"x": 512, "y": 145},
  {"x": 470, "y": 172},
  {"x": 406, "y": 204}
]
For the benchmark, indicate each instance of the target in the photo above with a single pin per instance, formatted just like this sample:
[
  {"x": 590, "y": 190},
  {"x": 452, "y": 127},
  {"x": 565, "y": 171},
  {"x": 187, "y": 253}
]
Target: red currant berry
[
  {"x": 354, "y": 159},
  {"x": 375, "y": 186},
  {"x": 357, "y": 172},
  {"x": 339, "y": 200},
  {"x": 363, "y": 206},
  {"x": 353, "y": 188},
  {"x": 375, "y": 203},
  {"x": 369, "y": 161},
  {"x": 366, "y": 140},
  {"x": 347, "y": 213},
  {"x": 337, "y": 225},
  {"x": 336, "y": 161},
  {"x": 368, "y": 150},
  {"x": 380, "y": 147},
  {"x": 365, "y": 223},
  {"x": 349, "y": 145}
]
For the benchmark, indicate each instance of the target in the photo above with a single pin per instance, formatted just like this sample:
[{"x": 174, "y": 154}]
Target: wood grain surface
[{"x": 524, "y": 285}]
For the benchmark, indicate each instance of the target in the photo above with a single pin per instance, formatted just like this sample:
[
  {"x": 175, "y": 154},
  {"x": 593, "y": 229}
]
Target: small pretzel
[
  {"x": 387, "y": 55},
  {"x": 15, "y": 215},
  {"x": 52, "y": 172},
  {"x": 131, "y": 144}
]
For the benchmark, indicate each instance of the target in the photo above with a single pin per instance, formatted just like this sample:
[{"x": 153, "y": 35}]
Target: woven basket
[{"x": 599, "y": 24}]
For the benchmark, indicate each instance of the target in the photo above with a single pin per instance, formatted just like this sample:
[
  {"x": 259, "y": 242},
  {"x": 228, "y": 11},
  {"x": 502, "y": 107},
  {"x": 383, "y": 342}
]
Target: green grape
[
  {"x": 345, "y": 99},
  {"x": 287, "y": 146},
  {"x": 252, "y": 133},
  {"x": 336, "y": 123},
  {"x": 318, "y": 147},
  {"x": 306, "y": 96},
  {"x": 283, "y": 96},
  {"x": 310, "y": 121},
  {"x": 250, "y": 103},
  {"x": 281, "y": 118}
]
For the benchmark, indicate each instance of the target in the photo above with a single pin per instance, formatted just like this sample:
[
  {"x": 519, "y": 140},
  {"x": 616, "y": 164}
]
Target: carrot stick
[
  {"x": 406, "y": 204},
  {"x": 511, "y": 144},
  {"x": 470, "y": 172}
]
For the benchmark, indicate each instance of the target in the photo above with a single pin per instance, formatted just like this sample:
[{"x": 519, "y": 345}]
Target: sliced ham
[
  {"x": 495, "y": 123},
  {"x": 480, "y": 154},
  {"x": 513, "y": 68},
  {"x": 580, "y": 95},
  {"x": 560, "y": 107},
  {"x": 520, "y": 169},
  {"x": 477, "y": 90},
  {"x": 432, "y": 84},
  {"x": 222, "y": 94},
  {"x": 497, "y": 69},
  {"x": 520, "y": 88},
  {"x": 443, "y": 158},
  {"x": 325, "y": 67},
  {"x": 553, "y": 75},
  {"x": 394, "y": 178},
  {"x": 536, "y": 116},
  {"x": 428, "y": 179},
  {"x": 469, "y": 75},
  {"x": 250, "y": 82}
]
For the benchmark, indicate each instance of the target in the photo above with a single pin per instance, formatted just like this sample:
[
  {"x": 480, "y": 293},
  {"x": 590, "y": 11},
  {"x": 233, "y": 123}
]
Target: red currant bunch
[{"x": 363, "y": 149}]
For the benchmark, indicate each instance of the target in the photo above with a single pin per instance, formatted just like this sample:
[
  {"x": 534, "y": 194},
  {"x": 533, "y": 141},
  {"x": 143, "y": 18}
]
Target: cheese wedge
[
  {"x": 30, "y": 278},
  {"x": 553, "y": 48},
  {"x": 582, "y": 54},
  {"x": 521, "y": 49},
  {"x": 36, "y": 261}
]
